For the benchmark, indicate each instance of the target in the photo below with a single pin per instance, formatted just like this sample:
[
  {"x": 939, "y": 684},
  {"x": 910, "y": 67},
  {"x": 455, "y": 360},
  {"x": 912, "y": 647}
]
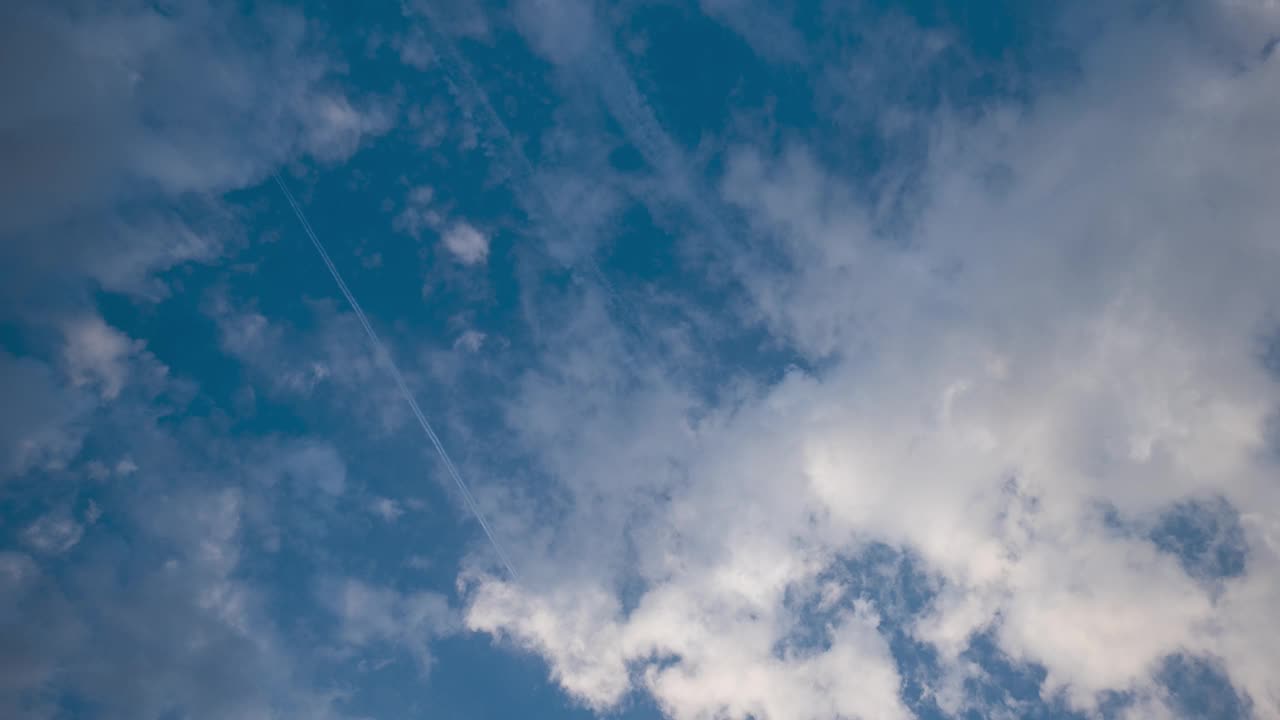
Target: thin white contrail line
[{"x": 385, "y": 356}]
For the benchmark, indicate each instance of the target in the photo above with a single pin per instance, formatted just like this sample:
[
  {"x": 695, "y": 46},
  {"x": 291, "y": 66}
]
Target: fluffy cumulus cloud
[
  {"x": 96, "y": 353},
  {"x": 467, "y": 244},
  {"x": 1059, "y": 353},
  {"x": 124, "y": 102}
]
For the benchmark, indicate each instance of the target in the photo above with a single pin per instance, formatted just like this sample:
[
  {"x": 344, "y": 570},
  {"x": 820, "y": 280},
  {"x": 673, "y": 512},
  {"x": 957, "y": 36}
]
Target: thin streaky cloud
[{"x": 384, "y": 355}]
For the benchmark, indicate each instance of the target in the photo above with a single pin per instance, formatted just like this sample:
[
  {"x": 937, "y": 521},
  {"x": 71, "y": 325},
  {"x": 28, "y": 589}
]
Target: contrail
[{"x": 382, "y": 354}]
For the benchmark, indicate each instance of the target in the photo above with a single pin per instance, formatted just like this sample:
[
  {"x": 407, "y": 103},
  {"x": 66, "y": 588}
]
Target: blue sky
[{"x": 805, "y": 360}]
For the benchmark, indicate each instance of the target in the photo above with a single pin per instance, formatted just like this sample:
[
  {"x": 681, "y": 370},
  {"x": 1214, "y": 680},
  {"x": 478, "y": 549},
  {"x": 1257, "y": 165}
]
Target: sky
[{"x": 642, "y": 360}]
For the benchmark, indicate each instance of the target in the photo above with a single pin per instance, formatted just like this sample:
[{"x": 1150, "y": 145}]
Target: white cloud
[
  {"x": 561, "y": 31},
  {"x": 415, "y": 50},
  {"x": 160, "y": 111},
  {"x": 1039, "y": 357},
  {"x": 335, "y": 128},
  {"x": 210, "y": 649},
  {"x": 418, "y": 214},
  {"x": 769, "y": 32},
  {"x": 1078, "y": 341},
  {"x": 470, "y": 340},
  {"x": 307, "y": 463},
  {"x": 53, "y": 534},
  {"x": 576, "y": 629},
  {"x": 464, "y": 18},
  {"x": 112, "y": 102},
  {"x": 42, "y": 422},
  {"x": 378, "y": 615},
  {"x": 96, "y": 352},
  {"x": 332, "y": 358},
  {"x": 386, "y": 508},
  {"x": 468, "y": 245},
  {"x": 128, "y": 124}
]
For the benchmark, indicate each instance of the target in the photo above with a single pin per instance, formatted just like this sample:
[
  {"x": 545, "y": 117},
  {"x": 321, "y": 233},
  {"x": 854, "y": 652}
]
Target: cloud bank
[{"x": 1058, "y": 355}]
